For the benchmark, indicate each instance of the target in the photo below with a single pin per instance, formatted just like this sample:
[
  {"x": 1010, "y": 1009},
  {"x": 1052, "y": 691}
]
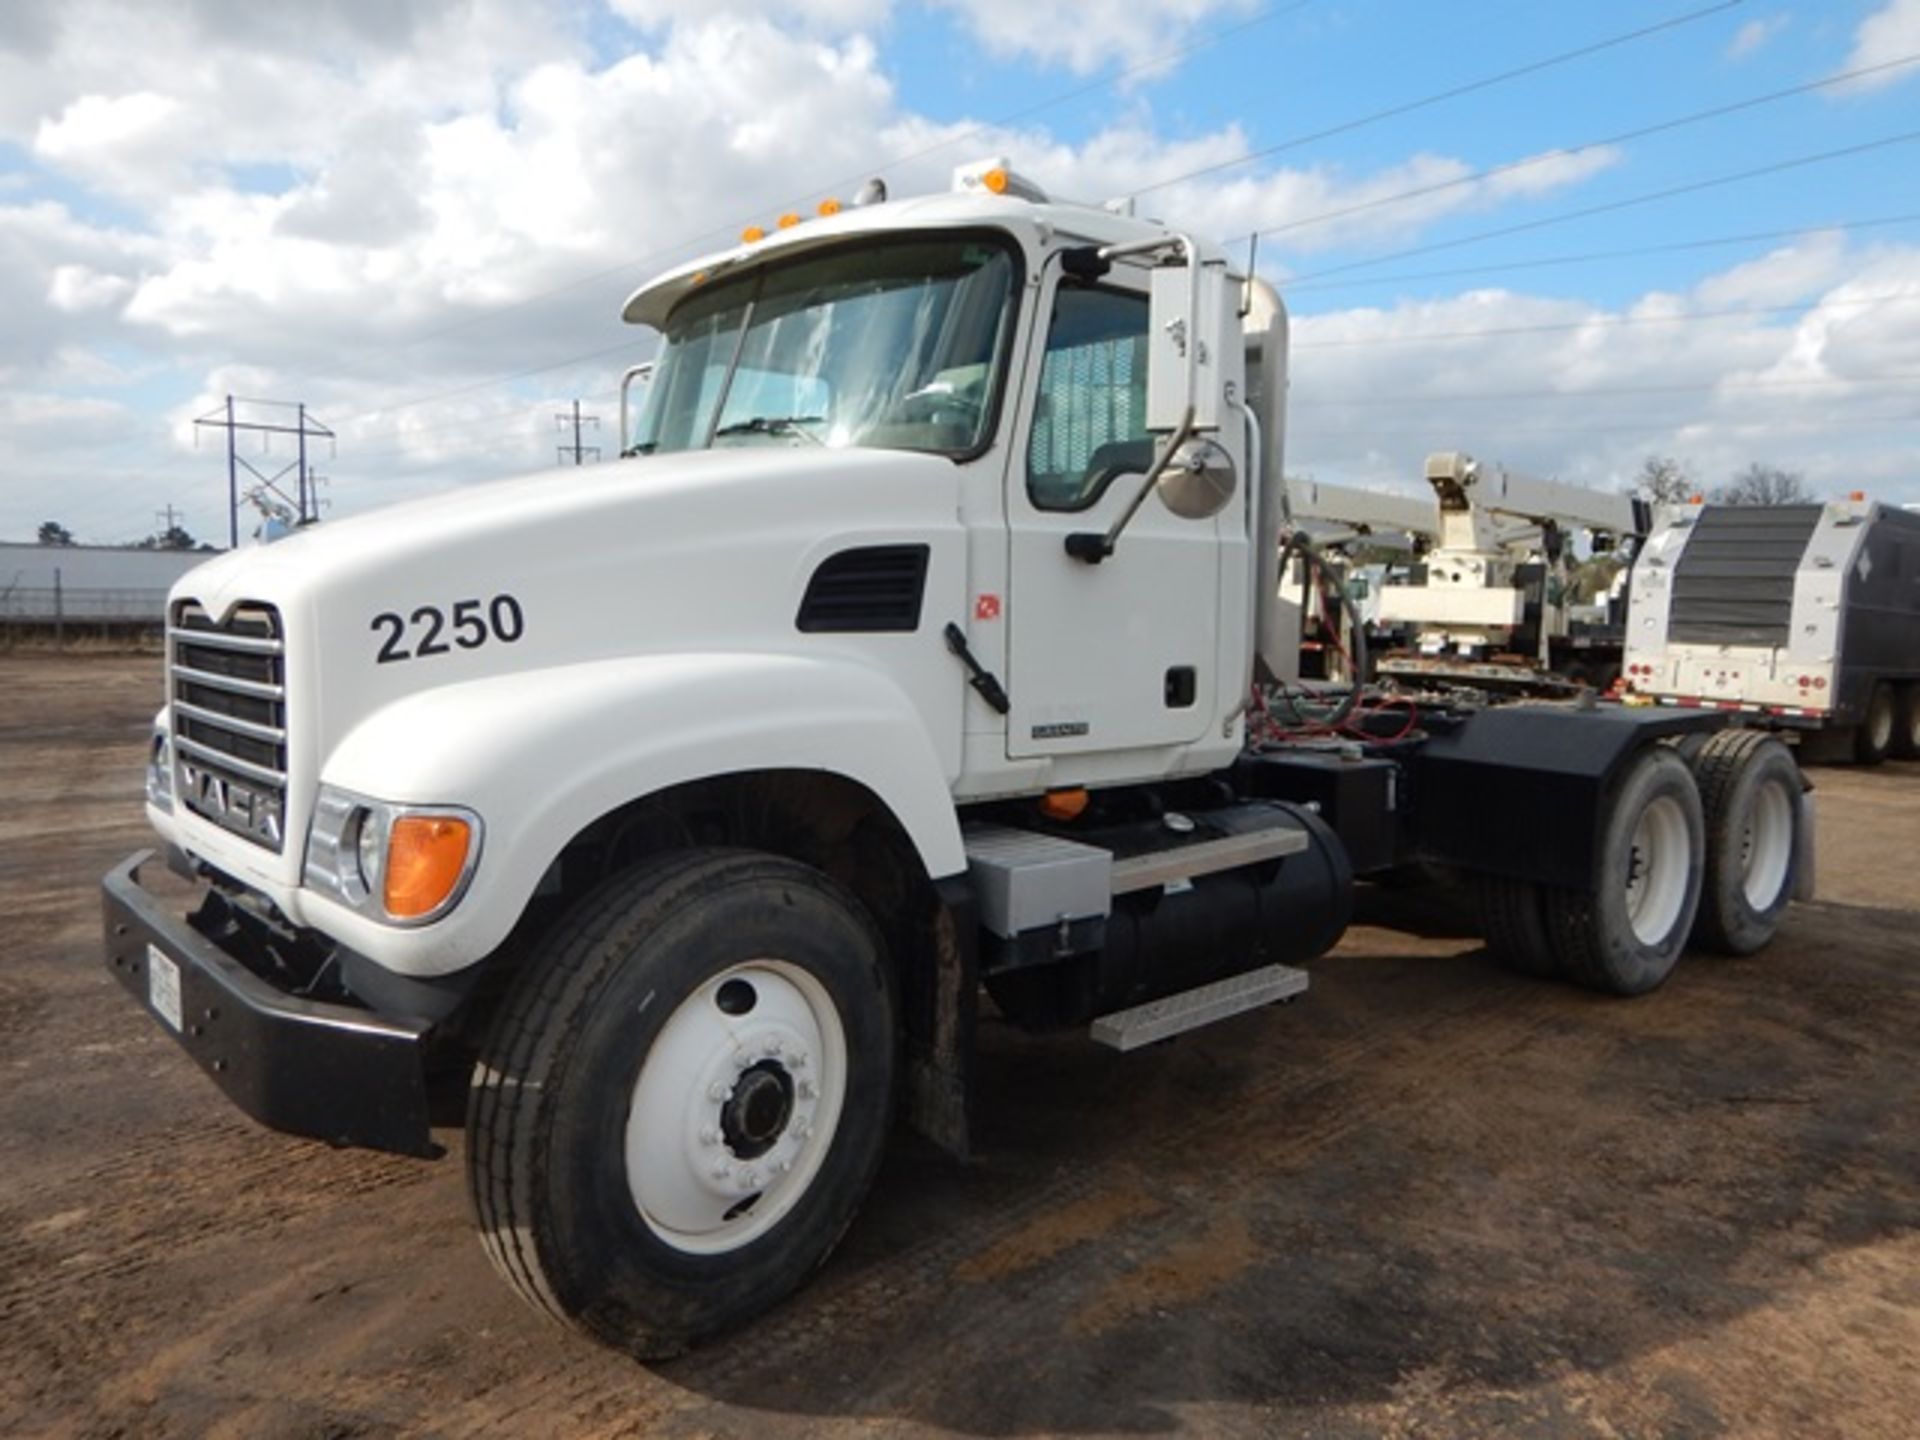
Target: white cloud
[
  {"x": 413, "y": 205},
  {"x": 132, "y": 144},
  {"x": 1889, "y": 33},
  {"x": 80, "y": 287},
  {"x": 1754, "y": 35},
  {"x": 1086, "y": 37},
  {"x": 836, "y": 16},
  {"x": 1805, "y": 358}
]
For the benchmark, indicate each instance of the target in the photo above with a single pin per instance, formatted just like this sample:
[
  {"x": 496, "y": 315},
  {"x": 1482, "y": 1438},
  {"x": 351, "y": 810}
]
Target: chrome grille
[{"x": 228, "y": 684}]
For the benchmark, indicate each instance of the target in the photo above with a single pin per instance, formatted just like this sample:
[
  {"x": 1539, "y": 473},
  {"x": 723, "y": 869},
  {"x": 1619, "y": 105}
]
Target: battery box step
[{"x": 1203, "y": 1005}]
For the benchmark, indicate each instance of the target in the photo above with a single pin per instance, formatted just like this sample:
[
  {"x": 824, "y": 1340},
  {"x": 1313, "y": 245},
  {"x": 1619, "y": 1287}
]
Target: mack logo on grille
[{"x": 231, "y": 803}]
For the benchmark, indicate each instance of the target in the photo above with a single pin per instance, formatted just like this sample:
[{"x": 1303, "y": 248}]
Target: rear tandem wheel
[
  {"x": 1625, "y": 935},
  {"x": 1750, "y": 790}
]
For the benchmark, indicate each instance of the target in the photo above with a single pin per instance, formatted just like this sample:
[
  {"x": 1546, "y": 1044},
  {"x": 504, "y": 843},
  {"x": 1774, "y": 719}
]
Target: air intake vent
[
  {"x": 229, "y": 718},
  {"x": 874, "y": 588},
  {"x": 1733, "y": 583}
]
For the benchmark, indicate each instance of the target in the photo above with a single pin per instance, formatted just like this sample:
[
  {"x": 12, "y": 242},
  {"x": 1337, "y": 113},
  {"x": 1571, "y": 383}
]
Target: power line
[
  {"x": 1643, "y": 427},
  {"x": 520, "y": 416},
  {"x": 1156, "y": 62},
  {"x": 488, "y": 384},
  {"x": 1439, "y": 96},
  {"x": 1678, "y": 122},
  {"x": 1294, "y": 287},
  {"x": 1905, "y": 137},
  {"x": 1607, "y": 322},
  {"x": 1584, "y": 392},
  {"x": 1641, "y": 132}
]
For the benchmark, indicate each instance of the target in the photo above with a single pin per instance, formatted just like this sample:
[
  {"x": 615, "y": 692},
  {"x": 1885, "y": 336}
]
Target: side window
[{"x": 1089, "y": 425}]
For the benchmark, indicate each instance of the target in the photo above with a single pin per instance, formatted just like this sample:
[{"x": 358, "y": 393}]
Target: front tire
[
  {"x": 683, "y": 1098},
  {"x": 1750, "y": 793},
  {"x": 1625, "y": 936}
]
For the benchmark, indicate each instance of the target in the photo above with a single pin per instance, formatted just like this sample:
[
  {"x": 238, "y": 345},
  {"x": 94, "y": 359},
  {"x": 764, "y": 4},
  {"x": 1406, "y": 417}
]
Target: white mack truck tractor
[{"x": 682, "y": 808}]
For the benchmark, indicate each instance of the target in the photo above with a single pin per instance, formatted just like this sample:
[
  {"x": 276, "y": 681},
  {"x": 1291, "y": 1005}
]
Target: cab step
[{"x": 1202, "y": 1005}]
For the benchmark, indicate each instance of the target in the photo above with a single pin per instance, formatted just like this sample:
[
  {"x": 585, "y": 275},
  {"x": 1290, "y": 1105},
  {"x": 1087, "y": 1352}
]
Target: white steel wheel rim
[
  {"x": 699, "y": 1183},
  {"x": 1766, "y": 845},
  {"x": 1657, "y": 868}
]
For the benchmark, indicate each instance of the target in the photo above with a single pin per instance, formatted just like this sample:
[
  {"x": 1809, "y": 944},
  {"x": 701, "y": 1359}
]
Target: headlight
[
  {"x": 160, "y": 771},
  {"x": 400, "y": 864}
]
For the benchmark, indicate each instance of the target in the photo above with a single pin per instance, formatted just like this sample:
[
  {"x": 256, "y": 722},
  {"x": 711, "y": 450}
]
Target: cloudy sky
[{"x": 1562, "y": 236}]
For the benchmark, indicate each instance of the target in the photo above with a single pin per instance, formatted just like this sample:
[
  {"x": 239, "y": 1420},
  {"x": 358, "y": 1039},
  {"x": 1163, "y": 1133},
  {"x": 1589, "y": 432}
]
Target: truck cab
[{"x": 681, "y": 809}]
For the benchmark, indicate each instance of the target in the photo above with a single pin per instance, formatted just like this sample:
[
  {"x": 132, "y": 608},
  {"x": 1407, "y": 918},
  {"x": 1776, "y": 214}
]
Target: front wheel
[
  {"x": 683, "y": 1098},
  {"x": 1625, "y": 935}
]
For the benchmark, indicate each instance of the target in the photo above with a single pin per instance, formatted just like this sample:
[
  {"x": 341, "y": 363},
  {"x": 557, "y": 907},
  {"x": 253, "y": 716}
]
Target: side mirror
[
  {"x": 1200, "y": 481},
  {"x": 1187, "y": 312}
]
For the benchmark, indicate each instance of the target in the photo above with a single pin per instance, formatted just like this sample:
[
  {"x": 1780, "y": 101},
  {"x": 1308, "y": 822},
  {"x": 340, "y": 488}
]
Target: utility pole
[
  {"x": 576, "y": 450},
  {"x": 168, "y": 518},
  {"x": 305, "y": 426}
]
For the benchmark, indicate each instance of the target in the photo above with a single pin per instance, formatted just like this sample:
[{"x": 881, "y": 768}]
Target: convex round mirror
[{"x": 1199, "y": 481}]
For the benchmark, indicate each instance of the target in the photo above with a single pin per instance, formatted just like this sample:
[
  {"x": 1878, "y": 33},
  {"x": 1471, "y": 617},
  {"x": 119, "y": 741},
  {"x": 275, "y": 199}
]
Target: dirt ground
[{"x": 1429, "y": 1199}]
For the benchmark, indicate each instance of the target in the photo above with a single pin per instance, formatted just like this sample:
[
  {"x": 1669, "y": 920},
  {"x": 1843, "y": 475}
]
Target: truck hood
[
  {"x": 707, "y": 499},
  {"x": 704, "y": 552}
]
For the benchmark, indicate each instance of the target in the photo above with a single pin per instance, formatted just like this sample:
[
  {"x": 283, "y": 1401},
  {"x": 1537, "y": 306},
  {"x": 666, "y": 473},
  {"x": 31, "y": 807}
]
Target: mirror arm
[
  {"x": 642, "y": 371},
  {"x": 1092, "y": 546}
]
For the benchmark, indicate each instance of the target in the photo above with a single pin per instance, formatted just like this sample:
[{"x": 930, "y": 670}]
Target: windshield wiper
[{"x": 774, "y": 425}]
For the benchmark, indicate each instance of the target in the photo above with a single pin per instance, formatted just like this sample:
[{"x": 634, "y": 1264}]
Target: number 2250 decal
[{"x": 473, "y": 624}]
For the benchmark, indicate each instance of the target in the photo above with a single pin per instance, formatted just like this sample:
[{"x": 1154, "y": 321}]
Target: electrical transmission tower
[
  {"x": 576, "y": 450},
  {"x": 302, "y": 501}
]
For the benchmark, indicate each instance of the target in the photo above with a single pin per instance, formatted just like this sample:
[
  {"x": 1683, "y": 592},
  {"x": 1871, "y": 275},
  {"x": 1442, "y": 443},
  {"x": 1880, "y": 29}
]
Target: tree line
[
  {"x": 1667, "y": 481},
  {"x": 174, "y": 537}
]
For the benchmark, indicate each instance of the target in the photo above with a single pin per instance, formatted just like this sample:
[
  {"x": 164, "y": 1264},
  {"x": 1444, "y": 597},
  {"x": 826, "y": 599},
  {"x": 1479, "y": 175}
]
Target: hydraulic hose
[{"x": 1331, "y": 580}]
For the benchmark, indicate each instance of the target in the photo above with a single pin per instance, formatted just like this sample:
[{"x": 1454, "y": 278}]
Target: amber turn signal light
[
  {"x": 426, "y": 858},
  {"x": 1064, "y": 804}
]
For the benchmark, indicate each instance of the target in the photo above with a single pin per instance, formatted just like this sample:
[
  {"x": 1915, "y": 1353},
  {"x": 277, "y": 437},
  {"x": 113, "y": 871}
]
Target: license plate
[{"x": 163, "y": 986}]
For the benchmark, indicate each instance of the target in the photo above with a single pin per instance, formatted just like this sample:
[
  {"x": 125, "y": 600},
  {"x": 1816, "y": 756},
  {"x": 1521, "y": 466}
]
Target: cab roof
[{"x": 1038, "y": 222}]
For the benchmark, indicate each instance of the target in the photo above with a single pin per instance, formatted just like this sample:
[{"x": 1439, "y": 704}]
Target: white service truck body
[{"x": 1805, "y": 617}]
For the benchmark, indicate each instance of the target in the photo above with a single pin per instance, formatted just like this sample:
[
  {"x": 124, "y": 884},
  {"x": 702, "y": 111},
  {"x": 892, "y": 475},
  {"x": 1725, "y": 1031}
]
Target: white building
[{"x": 89, "y": 583}]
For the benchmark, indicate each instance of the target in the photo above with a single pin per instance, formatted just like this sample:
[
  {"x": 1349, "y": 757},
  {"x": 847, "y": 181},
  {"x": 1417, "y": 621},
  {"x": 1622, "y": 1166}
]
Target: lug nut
[
  {"x": 717, "y": 1091},
  {"x": 709, "y": 1136}
]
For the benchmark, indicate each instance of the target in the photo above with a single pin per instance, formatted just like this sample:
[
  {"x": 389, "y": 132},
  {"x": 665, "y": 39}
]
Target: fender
[
  {"x": 1521, "y": 790},
  {"x": 626, "y": 728}
]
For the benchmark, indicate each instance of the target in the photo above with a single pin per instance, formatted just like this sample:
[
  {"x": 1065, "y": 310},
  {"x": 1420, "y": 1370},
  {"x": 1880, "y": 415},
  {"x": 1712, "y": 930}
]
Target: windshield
[{"x": 894, "y": 344}]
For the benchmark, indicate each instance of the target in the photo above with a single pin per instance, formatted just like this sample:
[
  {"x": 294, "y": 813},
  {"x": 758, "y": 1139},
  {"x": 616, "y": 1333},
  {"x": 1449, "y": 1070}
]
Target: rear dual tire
[
  {"x": 1878, "y": 732},
  {"x": 1750, "y": 790},
  {"x": 1625, "y": 934},
  {"x": 1700, "y": 842},
  {"x": 1905, "y": 744}
]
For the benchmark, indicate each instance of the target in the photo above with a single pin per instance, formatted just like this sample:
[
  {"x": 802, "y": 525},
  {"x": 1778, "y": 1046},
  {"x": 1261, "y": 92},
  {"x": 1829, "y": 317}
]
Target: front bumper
[{"x": 337, "y": 1073}]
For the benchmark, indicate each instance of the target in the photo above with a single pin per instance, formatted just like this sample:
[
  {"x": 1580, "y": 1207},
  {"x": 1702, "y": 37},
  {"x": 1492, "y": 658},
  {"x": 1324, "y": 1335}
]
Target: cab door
[{"x": 1119, "y": 655}]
